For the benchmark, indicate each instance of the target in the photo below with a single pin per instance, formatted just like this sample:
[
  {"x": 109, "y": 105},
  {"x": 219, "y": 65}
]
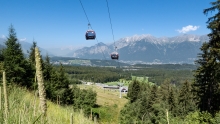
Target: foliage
[
  {"x": 199, "y": 118},
  {"x": 186, "y": 99},
  {"x": 84, "y": 99},
  {"x": 57, "y": 87},
  {"x": 31, "y": 61},
  {"x": 93, "y": 74},
  {"x": 48, "y": 68},
  {"x": 134, "y": 90},
  {"x": 158, "y": 73},
  {"x": 151, "y": 103},
  {"x": 16, "y": 66},
  {"x": 172, "y": 102},
  {"x": 31, "y": 52},
  {"x": 207, "y": 75}
]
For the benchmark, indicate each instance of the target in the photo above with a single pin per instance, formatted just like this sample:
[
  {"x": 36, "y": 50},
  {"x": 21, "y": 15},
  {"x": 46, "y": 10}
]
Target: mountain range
[{"x": 148, "y": 49}]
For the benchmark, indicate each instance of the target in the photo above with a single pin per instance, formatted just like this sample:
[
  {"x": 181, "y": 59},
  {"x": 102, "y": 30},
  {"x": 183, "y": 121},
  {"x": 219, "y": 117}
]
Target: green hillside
[{"x": 24, "y": 109}]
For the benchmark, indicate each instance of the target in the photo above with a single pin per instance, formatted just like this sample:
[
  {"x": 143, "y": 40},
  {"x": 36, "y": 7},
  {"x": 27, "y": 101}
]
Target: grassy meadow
[
  {"x": 109, "y": 103},
  {"x": 24, "y": 109}
]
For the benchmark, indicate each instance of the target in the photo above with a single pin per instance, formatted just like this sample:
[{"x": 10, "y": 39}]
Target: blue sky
[{"x": 62, "y": 23}]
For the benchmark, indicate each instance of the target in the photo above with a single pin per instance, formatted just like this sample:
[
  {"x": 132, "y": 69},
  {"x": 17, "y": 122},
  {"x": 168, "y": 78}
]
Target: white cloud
[
  {"x": 3, "y": 36},
  {"x": 188, "y": 28},
  {"x": 22, "y": 39}
]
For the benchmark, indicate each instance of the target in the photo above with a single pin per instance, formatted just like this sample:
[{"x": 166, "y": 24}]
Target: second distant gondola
[
  {"x": 114, "y": 55},
  {"x": 90, "y": 35}
]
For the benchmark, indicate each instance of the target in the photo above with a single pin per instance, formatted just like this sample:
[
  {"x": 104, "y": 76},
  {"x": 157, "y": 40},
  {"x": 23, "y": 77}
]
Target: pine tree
[
  {"x": 15, "y": 64},
  {"x": 134, "y": 90},
  {"x": 32, "y": 53},
  {"x": 172, "y": 101},
  {"x": 1, "y": 56},
  {"x": 153, "y": 104},
  {"x": 32, "y": 63},
  {"x": 50, "y": 77},
  {"x": 207, "y": 75},
  {"x": 48, "y": 68},
  {"x": 153, "y": 95},
  {"x": 63, "y": 82},
  {"x": 163, "y": 92},
  {"x": 129, "y": 114},
  {"x": 58, "y": 86},
  {"x": 186, "y": 101},
  {"x": 31, "y": 56},
  {"x": 206, "y": 84},
  {"x": 143, "y": 103}
]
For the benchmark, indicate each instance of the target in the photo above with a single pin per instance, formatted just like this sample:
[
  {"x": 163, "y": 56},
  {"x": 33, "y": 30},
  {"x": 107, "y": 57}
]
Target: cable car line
[
  {"x": 111, "y": 24},
  {"x": 85, "y": 13},
  {"x": 89, "y": 25},
  {"x": 114, "y": 55},
  {"x": 90, "y": 34}
]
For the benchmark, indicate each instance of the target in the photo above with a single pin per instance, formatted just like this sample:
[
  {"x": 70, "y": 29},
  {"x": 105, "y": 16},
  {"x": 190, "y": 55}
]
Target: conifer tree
[
  {"x": 206, "y": 85},
  {"x": 207, "y": 75},
  {"x": 32, "y": 63},
  {"x": 63, "y": 86},
  {"x": 163, "y": 93},
  {"x": 186, "y": 101},
  {"x": 153, "y": 96},
  {"x": 152, "y": 106},
  {"x": 48, "y": 68},
  {"x": 1, "y": 56},
  {"x": 50, "y": 77},
  {"x": 15, "y": 64},
  {"x": 57, "y": 83},
  {"x": 143, "y": 103},
  {"x": 134, "y": 90},
  {"x": 172, "y": 101},
  {"x": 32, "y": 53},
  {"x": 31, "y": 56}
]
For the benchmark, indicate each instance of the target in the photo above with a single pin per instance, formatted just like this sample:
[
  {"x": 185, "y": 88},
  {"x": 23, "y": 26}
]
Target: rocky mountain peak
[{"x": 147, "y": 48}]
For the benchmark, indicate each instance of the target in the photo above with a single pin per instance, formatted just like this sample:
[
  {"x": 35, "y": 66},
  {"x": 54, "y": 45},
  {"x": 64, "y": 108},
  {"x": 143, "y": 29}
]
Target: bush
[
  {"x": 84, "y": 99},
  {"x": 199, "y": 118}
]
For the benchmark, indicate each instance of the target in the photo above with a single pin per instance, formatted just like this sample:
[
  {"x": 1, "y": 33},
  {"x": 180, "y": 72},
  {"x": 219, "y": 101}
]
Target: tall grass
[
  {"x": 40, "y": 82},
  {"x": 24, "y": 109}
]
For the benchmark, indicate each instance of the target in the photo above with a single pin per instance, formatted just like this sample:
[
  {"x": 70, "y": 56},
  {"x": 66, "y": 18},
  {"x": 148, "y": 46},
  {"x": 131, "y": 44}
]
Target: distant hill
[
  {"x": 26, "y": 47},
  {"x": 148, "y": 49},
  {"x": 62, "y": 51}
]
